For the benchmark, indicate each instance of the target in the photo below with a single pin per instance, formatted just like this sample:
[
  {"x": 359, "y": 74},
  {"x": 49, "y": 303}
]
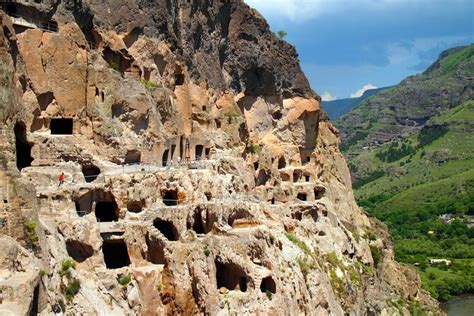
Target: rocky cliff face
[{"x": 201, "y": 176}]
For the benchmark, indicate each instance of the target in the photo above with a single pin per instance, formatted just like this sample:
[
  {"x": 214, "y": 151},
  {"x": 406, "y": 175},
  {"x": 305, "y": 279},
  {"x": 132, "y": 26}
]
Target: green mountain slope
[{"x": 411, "y": 152}]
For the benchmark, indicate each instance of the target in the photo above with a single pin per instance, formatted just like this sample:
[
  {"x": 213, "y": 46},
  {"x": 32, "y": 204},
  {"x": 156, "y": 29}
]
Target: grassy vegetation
[
  {"x": 124, "y": 279},
  {"x": 149, "y": 85},
  {"x": 31, "y": 235},
  {"x": 452, "y": 62},
  {"x": 434, "y": 179},
  {"x": 71, "y": 286},
  {"x": 295, "y": 240}
]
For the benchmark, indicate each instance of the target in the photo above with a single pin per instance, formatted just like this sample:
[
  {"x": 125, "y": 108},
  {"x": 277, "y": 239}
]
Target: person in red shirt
[{"x": 61, "y": 179}]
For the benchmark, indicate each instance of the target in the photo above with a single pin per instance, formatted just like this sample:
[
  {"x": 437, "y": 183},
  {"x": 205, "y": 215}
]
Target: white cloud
[
  {"x": 361, "y": 91},
  {"x": 327, "y": 96},
  {"x": 302, "y": 10}
]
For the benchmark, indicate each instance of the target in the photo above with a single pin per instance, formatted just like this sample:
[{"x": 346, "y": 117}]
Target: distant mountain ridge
[
  {"x": 337, "y": 108},
  {"x": 411, "y": 155}
]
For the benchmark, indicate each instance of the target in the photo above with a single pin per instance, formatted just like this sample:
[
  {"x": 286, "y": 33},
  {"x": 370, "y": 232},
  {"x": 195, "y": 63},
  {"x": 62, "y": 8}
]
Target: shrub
[
  {"x": 114, "y": 65},
  {"x": 72, "y": 289},
  {"x": 272, "y": 238},
  {"x": 281, "y": 34},
  {"x": 66, "y": 267},
  {"x": 149, "y": 85},
  {"x": 295, "y": 240},
  {"x": 30, "y": 232},
  {"x": 376, "y": 254},
  {"x": 207, "y": 252},
  {"x": 124, "y": 279},
  {"x": 43, "y": 272},
  {"x": 269, "y": 295}
]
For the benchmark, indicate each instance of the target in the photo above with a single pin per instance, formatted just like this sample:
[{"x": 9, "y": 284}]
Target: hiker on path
[{"x": 61, "y": 179}]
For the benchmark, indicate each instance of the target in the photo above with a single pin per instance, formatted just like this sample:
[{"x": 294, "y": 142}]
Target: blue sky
[{"x": 346, "y": 46}]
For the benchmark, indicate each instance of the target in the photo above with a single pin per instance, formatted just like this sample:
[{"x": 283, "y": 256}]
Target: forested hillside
[{"x": 411, "y": 153}]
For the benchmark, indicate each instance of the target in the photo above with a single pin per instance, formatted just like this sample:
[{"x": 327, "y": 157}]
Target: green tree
[{"x": 281, "y": 34}]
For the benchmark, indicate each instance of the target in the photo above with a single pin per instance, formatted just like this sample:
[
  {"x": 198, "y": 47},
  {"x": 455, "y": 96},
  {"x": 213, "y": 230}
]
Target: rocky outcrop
[{"x": 201, "y": 176}]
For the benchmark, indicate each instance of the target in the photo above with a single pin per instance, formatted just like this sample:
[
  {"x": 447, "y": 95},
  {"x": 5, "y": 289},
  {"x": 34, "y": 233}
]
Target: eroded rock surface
[{"x": 201, "y": 174}]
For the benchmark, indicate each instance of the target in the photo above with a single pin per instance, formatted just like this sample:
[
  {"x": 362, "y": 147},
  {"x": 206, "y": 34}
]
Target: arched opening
[
  {"x": 268, "y": 285},
  {"x": 196, "y": 222},
  {"x": 277, "y": 115},
  {"x": 179, "y": 81},
  {"x": 167, "y": 228},
  {"x": 34, "y": 308},
  {"x": 135, "y": 206},
  {"x": 199, "y": 150},
  {"x": 61, "y": 126},
  {"x": 170, "y": 197},
  {"x": 79, "y": 251},
  {"x": 115, "y": 253},
  {"x": 207, "y": 153},
  {"x": 256, "y": 165},
  {"x": 319, "y": 192},
  {"x": 307, "y": 178},
  {"x": 23, "y": 148},
  {"x": 132, "y": 157},
  {"x": 106, "y": 211},
  {"x": 164, "y": 159},
  {"x": 230, "y": 276},
  {"x": 239, "y": 214},
  {"x": 281, "y": 163},
  {"x": 262, "y": 177},
  {"x": 105, "y": 206},
  {"x": 302, "y": 196},
  {"x": 296, "y": 175},
  {"x": 156, "y": 251},
  {"x": 90, "y": 172}
]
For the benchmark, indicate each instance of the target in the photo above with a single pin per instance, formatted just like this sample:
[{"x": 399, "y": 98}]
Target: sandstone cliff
[{"x": 201, "y": 175}]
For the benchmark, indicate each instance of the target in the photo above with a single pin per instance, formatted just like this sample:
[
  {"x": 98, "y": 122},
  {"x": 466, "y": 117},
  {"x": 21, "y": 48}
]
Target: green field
[{"x": 428, "y": 174}]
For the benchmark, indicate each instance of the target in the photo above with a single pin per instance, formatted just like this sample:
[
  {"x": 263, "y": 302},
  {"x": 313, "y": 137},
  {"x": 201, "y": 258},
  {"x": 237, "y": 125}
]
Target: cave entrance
[
  {"x": 79, "y": 251},
  {"x": 23, "y": 148},
  {"x": 199, "y": 150},
  {"x": 135, "y": 206},
  {"x": 156, "y": 251},
  {"x": 115, "y": 253},
  {"x": 319, "y": 192},
  {"x": 208, "y": 195},
  {"x": 167, "y": 228},
  {"x": 106, "y": 211},
  {"x": 164, "y": 159},
  {"x": 268, "y": 285},
  {"x": 262, "y": 177},
  {"x": 302, "y": 196},
  {"x": 34, "y": 308},
  {"x": 230, "y": 276},
  {"x": 170, "y": 197},
  {"x": 61, "y": 126},
  {"x": 86, "y": 202},
  {"x": 90, "y": 172},
  {"x": 179, "y": 79},
  {"x": 296, "y": 175},
  {"x": 281, "y": 163},
  {"x": 200, "y": 221},
  {"x": 132, "y": 157}
]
